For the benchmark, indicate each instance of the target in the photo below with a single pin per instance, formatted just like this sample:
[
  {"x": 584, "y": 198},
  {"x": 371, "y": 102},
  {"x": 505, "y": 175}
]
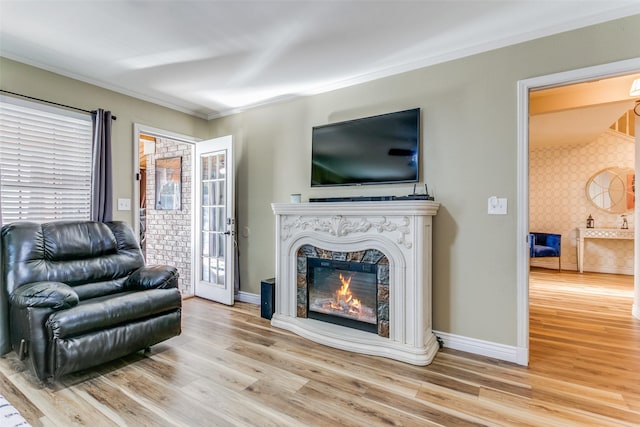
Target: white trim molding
[
  {"x": 456, "y": 342},
  {"x": 504, "y": 352},
  {"x": 248, "y": 297}
]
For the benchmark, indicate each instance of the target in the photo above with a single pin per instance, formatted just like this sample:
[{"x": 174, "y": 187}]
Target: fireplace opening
[{"x": 343, "y": 293}]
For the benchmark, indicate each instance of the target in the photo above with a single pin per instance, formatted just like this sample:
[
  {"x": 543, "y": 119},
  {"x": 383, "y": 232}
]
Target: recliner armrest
[
  {"x": 153, "y": 277},
  {"x": 55, "y": 295}
]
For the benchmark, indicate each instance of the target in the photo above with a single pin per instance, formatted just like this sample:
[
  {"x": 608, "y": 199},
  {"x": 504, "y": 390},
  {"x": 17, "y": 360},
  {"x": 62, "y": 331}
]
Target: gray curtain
[
  {"x": 0, "y": 198},
  {"x": 101, "y": 179}
]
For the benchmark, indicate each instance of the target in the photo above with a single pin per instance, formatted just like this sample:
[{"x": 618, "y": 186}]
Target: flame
[{"x": 344, "y": 300}]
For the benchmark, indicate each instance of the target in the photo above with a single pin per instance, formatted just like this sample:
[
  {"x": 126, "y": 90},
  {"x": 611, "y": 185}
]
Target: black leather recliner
[{"x": 78, "y": 295}]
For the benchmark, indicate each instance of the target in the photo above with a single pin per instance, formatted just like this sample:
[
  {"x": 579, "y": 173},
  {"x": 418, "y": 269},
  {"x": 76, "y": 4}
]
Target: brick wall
[{"x": 169, "y": 231}]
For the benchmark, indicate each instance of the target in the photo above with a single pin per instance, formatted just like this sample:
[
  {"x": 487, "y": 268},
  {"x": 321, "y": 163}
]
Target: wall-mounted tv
[{"x": 380, "y": 149}]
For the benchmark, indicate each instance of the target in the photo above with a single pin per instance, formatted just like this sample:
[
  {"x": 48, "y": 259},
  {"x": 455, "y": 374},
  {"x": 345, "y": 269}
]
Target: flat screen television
[{"x": 380, "y": 149}]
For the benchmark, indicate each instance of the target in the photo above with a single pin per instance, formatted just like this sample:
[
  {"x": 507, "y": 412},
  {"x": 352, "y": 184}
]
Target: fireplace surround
[{"x": 396, "y": 237}]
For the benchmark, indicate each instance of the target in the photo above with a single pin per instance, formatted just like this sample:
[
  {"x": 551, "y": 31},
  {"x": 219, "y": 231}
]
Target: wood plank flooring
[{"x": 231, "y": 368}]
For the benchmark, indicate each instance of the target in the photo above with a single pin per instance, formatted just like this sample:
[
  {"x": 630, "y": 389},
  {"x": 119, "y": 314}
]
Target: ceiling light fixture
[{"x": 635, "y": 88}]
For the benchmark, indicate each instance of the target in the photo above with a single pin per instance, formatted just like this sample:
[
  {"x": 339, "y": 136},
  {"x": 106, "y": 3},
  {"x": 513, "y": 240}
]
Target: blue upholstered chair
[{"x": 545, "y": 245}]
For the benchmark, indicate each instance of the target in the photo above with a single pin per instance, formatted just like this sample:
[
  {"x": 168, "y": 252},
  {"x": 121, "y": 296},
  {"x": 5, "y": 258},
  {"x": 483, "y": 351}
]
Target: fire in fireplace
[{"x": 343, "y": 293}]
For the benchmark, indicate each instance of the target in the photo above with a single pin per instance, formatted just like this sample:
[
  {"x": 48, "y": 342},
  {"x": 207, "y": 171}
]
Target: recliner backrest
[{"x": 72, "y": 252}]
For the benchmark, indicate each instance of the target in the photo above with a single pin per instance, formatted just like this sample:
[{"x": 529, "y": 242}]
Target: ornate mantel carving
[{"x": 339, "y": 225}]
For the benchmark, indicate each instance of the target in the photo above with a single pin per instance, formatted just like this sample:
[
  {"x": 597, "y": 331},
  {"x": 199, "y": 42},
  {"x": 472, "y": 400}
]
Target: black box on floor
[{"x": 268, "y": 297}]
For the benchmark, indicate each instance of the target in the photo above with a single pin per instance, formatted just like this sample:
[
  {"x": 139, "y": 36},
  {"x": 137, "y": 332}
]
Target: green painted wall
[{"x": 468, "y": 154}]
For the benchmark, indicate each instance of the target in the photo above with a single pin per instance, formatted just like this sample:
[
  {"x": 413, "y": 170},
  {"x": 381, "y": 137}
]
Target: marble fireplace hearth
[{"x": 400, "y": 232}]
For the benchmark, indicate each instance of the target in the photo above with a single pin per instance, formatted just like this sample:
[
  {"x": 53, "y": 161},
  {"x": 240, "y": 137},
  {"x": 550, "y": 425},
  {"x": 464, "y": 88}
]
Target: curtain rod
[{"x": 51, "y": 102}]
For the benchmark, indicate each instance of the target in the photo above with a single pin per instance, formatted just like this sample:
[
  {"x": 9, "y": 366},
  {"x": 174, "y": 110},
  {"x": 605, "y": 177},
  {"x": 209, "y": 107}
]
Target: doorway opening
[
  {"x": 527, "y": 179},
  {"x": 163, "y": 195},
  {"x": 582, "y": 166}
]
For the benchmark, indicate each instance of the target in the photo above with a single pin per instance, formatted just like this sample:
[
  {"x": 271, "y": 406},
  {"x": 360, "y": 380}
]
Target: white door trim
[
  {"x": 635, "y": 310},
  {"x": 522, "y": 227}
]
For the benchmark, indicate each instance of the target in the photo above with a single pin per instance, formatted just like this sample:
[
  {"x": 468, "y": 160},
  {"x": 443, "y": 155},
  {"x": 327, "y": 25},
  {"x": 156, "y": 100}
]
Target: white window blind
[{"x": 45, "y": 162}]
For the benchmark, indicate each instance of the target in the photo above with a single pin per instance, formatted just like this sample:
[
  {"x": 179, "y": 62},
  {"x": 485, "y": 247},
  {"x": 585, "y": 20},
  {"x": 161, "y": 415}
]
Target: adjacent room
[
  {"x": 582, "y": 190},
  {"x": 309, "y": 213}
]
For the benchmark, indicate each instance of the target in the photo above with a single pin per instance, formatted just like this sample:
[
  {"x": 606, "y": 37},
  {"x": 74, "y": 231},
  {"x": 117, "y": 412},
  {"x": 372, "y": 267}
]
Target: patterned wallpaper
[{"x": 558, "y": 204}]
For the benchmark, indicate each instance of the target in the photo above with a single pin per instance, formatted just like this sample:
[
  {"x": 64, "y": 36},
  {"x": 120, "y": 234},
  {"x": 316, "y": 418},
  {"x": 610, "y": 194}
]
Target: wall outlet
[
  {"x": 497, "y": 206},
  {"x": 124, "y": 204}
]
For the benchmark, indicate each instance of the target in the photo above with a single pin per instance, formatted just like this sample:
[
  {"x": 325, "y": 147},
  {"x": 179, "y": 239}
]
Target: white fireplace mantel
[{"x": 402, "y": 230}]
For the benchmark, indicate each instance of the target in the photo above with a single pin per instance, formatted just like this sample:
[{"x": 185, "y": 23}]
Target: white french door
[{"x": 215, "y": 220}]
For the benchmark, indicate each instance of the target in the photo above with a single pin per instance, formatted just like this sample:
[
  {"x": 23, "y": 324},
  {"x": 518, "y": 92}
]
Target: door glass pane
[
  {"x": 206, "y": 193},
  {"x": 214, "y": 193},
  {"x": 212, "y": 270},
  {"x": 221, "y": 246},
  {"x": 221, "y": 166},
  {"x": 213, "y": 215},
  {"x": 205, "y": 168},
  {"x": 206, "y": 244},
  {"x": 213, "y": 245},
  {"x": 220, "y": 193},
  {"x": 221, "y": 266},
  {"x": 205, "y": 219},
  {"x": 205, "y": 269},
  {"x": 221, "y": 219},
  {"x": 213, "y": 173}
]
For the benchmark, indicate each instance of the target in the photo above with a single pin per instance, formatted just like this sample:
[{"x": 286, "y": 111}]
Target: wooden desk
[{"x": 599, "y": 233}]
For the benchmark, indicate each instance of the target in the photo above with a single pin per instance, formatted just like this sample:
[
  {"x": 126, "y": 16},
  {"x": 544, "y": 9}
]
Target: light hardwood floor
[{"x": 231, "y": 368}]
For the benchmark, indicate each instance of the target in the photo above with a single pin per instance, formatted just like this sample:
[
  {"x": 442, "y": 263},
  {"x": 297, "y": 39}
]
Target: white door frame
[
  {"x": 160, "y": 133},
  {"x": 522, "y": 227},
  {"x": 635, "y": 311}
]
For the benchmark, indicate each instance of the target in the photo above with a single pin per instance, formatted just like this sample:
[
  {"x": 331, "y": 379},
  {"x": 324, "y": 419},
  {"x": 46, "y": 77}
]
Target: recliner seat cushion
[{"x": 106, "y": 312}]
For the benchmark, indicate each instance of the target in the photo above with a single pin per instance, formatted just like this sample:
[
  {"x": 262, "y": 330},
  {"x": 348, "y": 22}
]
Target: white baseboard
[
  {"x": 471, "y": 345},
  {"x": 484, "y": 348},
  {"x": 248, "y": 297}
]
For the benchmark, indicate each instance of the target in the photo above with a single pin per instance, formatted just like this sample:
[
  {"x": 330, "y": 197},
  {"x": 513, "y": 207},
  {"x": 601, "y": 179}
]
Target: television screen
[{"x": 373, "y": 150}]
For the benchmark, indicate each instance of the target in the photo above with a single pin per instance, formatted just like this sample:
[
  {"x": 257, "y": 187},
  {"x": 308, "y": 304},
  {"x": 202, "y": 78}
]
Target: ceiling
[
  {"x": 578, "y": 113},
  {"x": 212, "y": 58}
]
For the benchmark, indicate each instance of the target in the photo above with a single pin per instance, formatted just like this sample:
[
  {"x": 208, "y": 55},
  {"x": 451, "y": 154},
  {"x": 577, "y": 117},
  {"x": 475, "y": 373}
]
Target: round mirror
[{"x": 612, "y": 189}]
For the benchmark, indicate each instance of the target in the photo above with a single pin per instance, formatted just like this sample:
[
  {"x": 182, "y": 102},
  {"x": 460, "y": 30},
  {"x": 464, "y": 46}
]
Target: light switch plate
[
  {"x": 497, "y": 206},
  {"x": 124, "y": 204}
]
